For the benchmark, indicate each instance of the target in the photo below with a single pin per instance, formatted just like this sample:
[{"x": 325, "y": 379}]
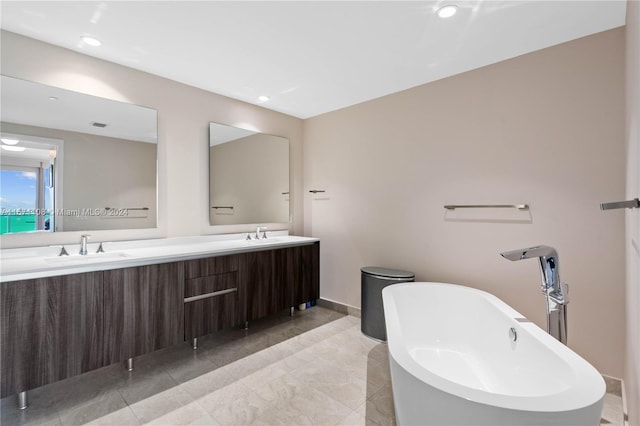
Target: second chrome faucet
[{"x": 83, "y": 244}]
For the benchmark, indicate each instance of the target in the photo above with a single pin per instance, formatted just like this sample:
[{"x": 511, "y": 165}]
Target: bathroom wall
[
  {"x": 632, "y": 358},
  {"x": 546, "y": 129},
  {"x": 184, "y": 113}
]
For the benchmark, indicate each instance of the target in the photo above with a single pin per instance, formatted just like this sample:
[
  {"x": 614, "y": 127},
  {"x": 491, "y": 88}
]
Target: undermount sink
[{"x": 89, "y": 258}]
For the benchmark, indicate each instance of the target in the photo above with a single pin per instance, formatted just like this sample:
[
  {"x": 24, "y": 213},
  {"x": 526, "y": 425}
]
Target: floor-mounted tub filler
[{"x": 462, "y": 356}]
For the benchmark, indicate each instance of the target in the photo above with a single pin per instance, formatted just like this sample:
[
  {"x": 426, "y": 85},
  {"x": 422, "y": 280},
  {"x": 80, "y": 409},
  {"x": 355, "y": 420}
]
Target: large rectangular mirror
[
  {"x": 74, "y": 162},
  {"x": 248, "y": 176}
]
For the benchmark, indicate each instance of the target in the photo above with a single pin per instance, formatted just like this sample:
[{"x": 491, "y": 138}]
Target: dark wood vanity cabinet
[
  {"x": 214, "y": 295},
  {"x": 143, "y": 310},
  {"x": 51, "y": 329},
  {"x": 224, "y": 291},
  {"x": 281, "y": 278},
  {"x": 58, "y": 327}
]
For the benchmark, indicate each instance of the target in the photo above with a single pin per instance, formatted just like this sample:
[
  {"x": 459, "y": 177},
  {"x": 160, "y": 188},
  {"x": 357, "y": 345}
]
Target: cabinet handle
[{"x": 208, "y": 295}]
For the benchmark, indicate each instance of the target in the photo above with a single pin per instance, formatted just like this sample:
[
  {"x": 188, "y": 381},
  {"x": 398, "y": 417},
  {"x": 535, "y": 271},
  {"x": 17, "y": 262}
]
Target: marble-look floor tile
[
  {"x": 99, "y": 406},
  {"x": 207, "y": 383},
  {"x": 41, "y": 409},
  {"x": 186, "y": 363},
  {"x": 354, "y": 419},
  {"x": 263, "y": 375},
  {"x": 293, "y": 362},
  {"x": 33, "y": 415},
  {"x": 612, "y": 410},
  {"x": 379, "y": 408},
  {"x": 121, "y": 417},
  {"x": 318, "y": 407},
  {"x": 295, "y": 399},
  {"x": 279, "y": 351},
  {"x": 380, "y": 352},
  {"x": 614, "y": 386},
  {"x": 235, "y": 350},
  {"x": 139, "y": 388},
  {"x": 160, "y": 404},
  {"x": 235, "y": 404},
  {"x": 192, "y": 414},
  {"x": 246, "y": 366}
]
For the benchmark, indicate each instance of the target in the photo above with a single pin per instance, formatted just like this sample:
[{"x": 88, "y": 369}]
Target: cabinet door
[
  {"x": 266, "y": 275},
  {"x": 144, "y": 309},
  {"x": 51, "y": 329},
  {"x": 306, "y": 286},
  {"x": 212, "y": 303}
]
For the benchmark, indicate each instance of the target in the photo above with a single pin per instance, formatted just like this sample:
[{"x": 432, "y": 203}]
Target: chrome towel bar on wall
[
  {"x": 630, "y": 204},
  {"x": 126, "y": 208},
  {"x": 487, "y": 206}
]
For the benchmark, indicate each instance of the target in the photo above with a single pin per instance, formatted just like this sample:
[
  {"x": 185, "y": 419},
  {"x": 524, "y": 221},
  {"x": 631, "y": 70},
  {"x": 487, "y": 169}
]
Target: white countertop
[{"x": 38, "y": 262}]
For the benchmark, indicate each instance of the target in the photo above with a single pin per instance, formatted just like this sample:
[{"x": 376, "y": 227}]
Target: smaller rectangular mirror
[{"x": 248, "y": 176}]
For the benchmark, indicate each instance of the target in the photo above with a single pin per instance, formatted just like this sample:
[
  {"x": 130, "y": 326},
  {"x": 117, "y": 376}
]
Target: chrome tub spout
[{"x": 556, "y": 293}]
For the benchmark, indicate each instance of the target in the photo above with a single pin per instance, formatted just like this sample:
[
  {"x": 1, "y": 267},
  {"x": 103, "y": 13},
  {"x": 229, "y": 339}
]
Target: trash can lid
[{"x": 385, "y": 272}]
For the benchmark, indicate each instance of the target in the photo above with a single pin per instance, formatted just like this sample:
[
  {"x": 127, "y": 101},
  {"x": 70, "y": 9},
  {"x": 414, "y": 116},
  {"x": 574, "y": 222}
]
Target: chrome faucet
[
  {"x": 556, "y": 293},
  {"x": 264, "y": 232},
  {"x": 83, "y": 244}
]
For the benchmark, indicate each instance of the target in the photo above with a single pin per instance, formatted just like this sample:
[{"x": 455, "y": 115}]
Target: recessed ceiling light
[
  {"x": 10, "y": 141},
  {"x": 447, "y": 11},
  {"x": 91, "y": 41},
  {"x": 263, "y": 98},
  {"x": 13, "y": 148},
  {"x": 52, "y": 98}
]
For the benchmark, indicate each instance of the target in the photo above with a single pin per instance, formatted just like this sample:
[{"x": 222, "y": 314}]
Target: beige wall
[
  {"x": 102, "y": 172},
  {"x": 184, "y": 113},
  {"x": 250, "y": 174},
  {"x": 632, "y": 358},
  {"x": 545, "y": 129}
]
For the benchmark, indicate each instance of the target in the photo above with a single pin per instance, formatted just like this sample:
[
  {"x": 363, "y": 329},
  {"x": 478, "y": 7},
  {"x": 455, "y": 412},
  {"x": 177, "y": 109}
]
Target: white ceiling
[{"x": 309, "y": 57}]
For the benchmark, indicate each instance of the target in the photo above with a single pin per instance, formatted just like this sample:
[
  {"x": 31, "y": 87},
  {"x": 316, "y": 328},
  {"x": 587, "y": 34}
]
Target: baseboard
[{"x": 339, "y": 307}]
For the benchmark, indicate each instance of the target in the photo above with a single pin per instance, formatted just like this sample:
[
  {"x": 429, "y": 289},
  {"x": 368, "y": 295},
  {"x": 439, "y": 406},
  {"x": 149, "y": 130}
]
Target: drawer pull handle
[{"x": 208, "y": 295}]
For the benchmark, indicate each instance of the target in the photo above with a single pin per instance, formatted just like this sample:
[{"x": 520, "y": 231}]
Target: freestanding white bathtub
[{"x": 454, "y": 360}]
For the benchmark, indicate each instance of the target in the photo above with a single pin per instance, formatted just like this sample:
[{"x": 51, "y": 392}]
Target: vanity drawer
[
  {"x": 210, "y": 266},
  {"x": 212, "y": 303},
  {"x": 206, "y": 316},
  {"x": 210, "y": 286}
]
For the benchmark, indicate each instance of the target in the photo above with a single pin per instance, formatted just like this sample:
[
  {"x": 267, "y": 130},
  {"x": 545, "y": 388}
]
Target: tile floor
[{"x": 315, "y": 368}]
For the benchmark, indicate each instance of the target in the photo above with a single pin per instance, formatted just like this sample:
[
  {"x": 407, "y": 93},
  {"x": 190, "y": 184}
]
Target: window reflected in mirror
[{"x": 27, "y": 184}]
